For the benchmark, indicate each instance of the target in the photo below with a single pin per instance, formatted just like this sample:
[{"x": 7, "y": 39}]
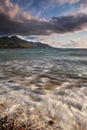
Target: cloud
[
  {"x": 77, "y": 44},
  {"x": 84, "y": 4},
  {"x": 70, "y": 23},
  {"x": 15, "y": 21},
  {"x": 8, "y": 9},
  {"x": 67, "y": 1},
  {"x": 83, "y": 7}
]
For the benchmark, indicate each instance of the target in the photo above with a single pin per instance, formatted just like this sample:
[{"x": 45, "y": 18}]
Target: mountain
[{"x": 15, "y": 42}]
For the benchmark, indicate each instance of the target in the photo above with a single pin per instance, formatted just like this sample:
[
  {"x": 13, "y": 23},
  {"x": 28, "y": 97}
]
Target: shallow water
[
  {"x": 50, "y": 82},
  {"x": 58, "y": 63}
]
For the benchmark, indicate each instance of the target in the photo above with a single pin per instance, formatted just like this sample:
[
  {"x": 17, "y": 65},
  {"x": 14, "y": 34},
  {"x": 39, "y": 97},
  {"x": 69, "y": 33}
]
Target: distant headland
[{"x": 15, "y": 42}]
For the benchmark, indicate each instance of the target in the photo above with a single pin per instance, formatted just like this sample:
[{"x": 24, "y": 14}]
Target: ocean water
[
  {"x": 50, "y": 82},
  {"x": 56, "y": 63}
]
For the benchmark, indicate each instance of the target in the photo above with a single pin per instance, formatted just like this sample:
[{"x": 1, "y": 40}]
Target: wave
[{"x": 47, "y": 92}]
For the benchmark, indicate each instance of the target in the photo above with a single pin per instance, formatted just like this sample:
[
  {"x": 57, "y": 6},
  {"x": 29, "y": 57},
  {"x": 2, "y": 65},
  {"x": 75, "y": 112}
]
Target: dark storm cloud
[
  {"x": 13, "y": 21},
  {"x": 69, "y": 23},
  {"x": 31, "y": 27}
]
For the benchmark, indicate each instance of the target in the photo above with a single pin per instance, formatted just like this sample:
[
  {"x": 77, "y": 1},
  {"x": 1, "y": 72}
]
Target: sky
[{"x": 59, "y": 23}]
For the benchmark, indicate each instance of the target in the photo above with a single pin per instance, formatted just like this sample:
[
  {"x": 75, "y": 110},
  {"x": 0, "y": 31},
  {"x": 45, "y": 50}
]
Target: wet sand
[
  {"x": 43, "y": 89},
  {"x": 43, "y": 103}
]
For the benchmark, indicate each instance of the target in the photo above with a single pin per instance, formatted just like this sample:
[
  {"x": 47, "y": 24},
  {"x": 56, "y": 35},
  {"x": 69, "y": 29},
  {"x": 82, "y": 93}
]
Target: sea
[
  {"x": 51, "y": 81},
  {"x": 63, "y": 64}
]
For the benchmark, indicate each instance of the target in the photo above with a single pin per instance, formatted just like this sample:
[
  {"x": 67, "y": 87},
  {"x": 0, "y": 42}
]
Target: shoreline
[{"x": 28, "y": 107}]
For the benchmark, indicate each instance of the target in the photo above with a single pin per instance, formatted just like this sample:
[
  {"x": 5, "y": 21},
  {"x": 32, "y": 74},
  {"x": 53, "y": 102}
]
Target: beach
[{"x": 43, "y": 89}]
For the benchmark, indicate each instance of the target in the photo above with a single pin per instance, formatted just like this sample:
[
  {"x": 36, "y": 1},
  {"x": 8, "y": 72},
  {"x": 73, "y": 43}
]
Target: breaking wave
[{"x": 46, "y": 88}]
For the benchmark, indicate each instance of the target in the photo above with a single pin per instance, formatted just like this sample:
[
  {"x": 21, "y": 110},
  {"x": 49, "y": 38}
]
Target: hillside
[{"x": 15, "y": 42}]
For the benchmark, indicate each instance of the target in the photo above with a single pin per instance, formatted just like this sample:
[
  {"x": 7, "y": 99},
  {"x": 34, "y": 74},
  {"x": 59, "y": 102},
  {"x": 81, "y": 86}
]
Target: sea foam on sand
[{"x": 42, "y": 103}]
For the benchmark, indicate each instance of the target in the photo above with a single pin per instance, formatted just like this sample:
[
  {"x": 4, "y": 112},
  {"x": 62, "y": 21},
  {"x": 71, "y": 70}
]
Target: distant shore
[{"x": 15, "y": 42}]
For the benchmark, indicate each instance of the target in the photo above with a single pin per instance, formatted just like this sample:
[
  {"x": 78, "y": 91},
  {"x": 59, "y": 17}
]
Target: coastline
[
  {"x": 25, "y": 106},
  {"x": 43, "y": 89}
]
